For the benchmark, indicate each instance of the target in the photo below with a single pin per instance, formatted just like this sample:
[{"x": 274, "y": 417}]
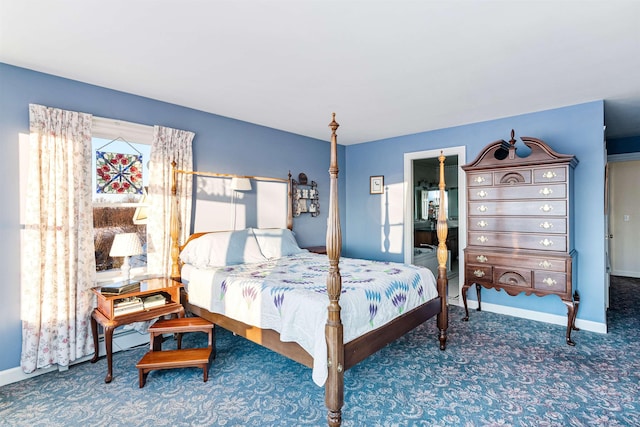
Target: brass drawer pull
[
  {"x": 482, "y": 193},
  {"x": 482, "y": 258},
  {"x": 546, "y": 225},
  {"x": 478, "y": 273},
  {"x": 546, "y": 242},
  {"x": 545, "y": 264},
  {"x": 546, "y": 191},
  {"x": 546, "y": 208},
  {"x": 549, "y": 174},
  {"x": 483, "y": 208},
  {"x": 482, "y": 224},
  {"x": 549, "y": 281},
  {"x": 479, "y": 179},
  {"x": 483, "y": 239}
]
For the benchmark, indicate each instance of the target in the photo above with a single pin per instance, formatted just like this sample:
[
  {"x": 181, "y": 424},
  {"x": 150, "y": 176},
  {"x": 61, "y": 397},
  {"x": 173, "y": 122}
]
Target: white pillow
[
  {"x": 218, "y": 249},
  {"x": 277, "y": 242}
]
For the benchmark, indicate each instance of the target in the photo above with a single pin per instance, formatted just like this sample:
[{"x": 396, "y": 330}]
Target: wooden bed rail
[{"x": 229, "y": 175}]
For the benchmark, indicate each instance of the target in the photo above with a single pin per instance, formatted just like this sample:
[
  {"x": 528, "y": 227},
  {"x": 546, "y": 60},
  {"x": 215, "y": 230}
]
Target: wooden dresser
[{"x": 520, "y": 234}]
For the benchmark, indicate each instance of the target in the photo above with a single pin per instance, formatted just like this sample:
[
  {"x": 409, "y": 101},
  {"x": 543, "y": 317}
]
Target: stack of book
[
  {"x": 153, "y": 301},
  {"x": 120, "y": 288},
  {"x": 127, "y": 305}
]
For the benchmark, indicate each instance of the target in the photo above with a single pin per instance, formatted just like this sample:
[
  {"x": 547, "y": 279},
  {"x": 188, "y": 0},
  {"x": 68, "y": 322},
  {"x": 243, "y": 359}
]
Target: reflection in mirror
[
  {"x": 427, "y": 203},
  {"x": 425, "y": 184}
]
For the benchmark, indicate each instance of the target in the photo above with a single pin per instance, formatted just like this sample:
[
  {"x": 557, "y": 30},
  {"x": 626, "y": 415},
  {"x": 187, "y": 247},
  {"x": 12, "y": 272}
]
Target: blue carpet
[{"x": 497, "y": 371}]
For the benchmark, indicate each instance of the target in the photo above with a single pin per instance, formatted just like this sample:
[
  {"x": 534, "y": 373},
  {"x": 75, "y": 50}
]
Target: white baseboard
[
  {"x": 121, "y": 341},
  {"x": 554, "y": 319},
  {"x": 624, "y": 273},
  {"x": 14, "y": 375}
]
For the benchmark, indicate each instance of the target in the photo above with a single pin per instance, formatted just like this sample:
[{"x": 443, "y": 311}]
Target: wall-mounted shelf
[{"x": 305, "y": 196}]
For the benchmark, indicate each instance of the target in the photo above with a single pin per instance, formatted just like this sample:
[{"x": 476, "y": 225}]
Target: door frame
[{"x": 459, "y": 151}]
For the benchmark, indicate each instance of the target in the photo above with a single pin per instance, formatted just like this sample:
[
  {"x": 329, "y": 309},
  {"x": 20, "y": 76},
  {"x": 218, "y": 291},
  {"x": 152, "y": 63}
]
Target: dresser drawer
[
  {"x": 512, "y": 177},
  {"x": 512, "y": 276},
  {"x": 551, "y": 262},
  {"x": 550, "y": 281},
  {"x": 523, "y": 225},
  {"x": 514, "y": 192},
  {"x": 479, "y": 273},
  {"x": 542, "y": 242},
  {"x": 479, "y": 257},
  {"x": 519, "y": 208},
  {"x": 554, "y": 174},
  {"x": 479, "y": 179}
]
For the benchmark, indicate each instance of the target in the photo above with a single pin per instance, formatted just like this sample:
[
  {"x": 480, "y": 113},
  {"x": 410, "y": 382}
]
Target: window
[{"x": 118, "y": 196}]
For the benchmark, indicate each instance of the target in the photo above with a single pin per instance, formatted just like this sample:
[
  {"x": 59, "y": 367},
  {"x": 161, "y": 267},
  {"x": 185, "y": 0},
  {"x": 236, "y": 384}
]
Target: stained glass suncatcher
[{"x": 118, "y": 173}]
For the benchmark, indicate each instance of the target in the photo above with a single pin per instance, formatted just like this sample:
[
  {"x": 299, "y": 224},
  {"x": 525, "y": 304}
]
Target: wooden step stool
[{"x": 180, "y": 358}]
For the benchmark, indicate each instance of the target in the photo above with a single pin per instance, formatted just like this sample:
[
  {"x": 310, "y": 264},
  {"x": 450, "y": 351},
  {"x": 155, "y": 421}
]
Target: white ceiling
[{"x": 387, "y": 68}]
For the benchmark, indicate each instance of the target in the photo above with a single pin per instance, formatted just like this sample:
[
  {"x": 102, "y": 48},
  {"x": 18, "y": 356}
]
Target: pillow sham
[
  {"x": 277, "y": 242},
  {"x": 218, "y": 249}
]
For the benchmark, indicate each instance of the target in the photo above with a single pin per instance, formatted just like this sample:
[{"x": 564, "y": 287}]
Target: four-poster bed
[{"x": 340, "y": 355}]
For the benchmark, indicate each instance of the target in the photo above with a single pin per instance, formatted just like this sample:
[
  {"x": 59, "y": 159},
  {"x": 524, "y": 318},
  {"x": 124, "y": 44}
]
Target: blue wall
[
  {"x": 221, "y": 144},
  {"x": 576, "y": 130}
]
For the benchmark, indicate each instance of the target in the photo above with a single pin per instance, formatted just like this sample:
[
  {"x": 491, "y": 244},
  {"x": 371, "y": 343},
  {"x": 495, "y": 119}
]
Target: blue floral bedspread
[{"x": 289, "y": 295}]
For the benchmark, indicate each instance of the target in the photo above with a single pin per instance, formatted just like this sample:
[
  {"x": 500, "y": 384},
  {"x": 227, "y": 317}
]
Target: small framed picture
[{"x": 376, "y": 185}]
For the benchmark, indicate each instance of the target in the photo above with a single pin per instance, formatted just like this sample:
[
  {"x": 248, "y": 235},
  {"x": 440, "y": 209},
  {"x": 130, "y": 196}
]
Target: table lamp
[{"x": 125, "y": 245}]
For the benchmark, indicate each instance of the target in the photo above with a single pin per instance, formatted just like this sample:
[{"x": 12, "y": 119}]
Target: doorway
[
  {"x": 421, "y": 177},
  {"x": 622, "y": 222}
]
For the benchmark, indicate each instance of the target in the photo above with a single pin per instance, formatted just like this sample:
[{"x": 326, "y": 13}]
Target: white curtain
[
  {"x": 58, "y": 260},
  {"x": 168, "y": 145}
]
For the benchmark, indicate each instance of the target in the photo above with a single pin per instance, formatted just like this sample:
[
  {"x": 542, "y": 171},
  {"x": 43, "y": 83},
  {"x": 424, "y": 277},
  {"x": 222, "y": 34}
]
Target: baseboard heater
[{"x": 122, "y": 340}]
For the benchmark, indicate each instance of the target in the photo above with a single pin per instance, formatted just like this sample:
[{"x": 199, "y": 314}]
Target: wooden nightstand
[
  {"x": 317, "y": 249},
  {"x": 106, "y": 315}
]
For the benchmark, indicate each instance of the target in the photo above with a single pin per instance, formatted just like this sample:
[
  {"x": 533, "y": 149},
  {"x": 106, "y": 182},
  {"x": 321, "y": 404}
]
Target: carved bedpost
[
  {"x": 289, "y": 203},
  {"x": 442, "y": 231},
  {"x": 174, "y": 227},
  {"x": 334, "y": 387}
]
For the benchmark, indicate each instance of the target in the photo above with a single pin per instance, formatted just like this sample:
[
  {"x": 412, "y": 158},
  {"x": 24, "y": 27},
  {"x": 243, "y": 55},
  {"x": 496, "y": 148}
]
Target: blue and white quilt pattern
[{"x": 289, "y": 295}]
